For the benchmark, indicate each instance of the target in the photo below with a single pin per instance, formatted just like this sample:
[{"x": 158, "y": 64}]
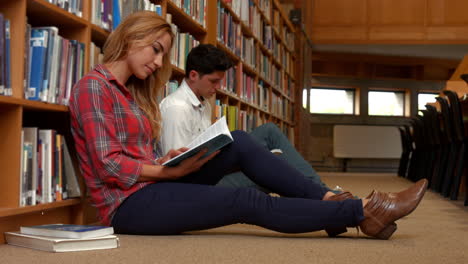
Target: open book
[{"x": 213, "y": 138}]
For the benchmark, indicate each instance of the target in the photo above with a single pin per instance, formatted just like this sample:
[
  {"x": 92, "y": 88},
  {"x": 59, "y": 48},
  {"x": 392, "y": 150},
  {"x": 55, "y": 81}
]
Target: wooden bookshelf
[
  {"x": 16, "y": 112},
  {"x": 265, "y": 62}
]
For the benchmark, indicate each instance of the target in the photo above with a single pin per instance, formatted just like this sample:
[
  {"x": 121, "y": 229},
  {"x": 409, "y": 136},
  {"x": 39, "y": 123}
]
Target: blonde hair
[{"x": 133, "y": 30}]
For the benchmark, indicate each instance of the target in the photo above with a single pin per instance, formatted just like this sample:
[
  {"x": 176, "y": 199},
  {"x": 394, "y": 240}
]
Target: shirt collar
[
  {"x": 103, "y": 70},
  {"x": 191, "y": 95}
]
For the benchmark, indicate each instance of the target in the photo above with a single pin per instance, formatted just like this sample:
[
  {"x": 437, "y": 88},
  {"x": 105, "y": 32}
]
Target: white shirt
[{"x": 183, "y": 118}]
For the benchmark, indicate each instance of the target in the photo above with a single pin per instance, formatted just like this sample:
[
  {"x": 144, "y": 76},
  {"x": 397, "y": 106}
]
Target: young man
[{"x": 186, "y": 113}]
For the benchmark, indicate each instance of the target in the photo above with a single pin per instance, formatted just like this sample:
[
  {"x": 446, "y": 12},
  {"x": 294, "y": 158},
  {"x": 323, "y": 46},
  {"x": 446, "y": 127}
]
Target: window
[
  {"x": 383, "y": 103},
  {"x": 331, "y": 100},
  {"x": 424, "y": 98}
]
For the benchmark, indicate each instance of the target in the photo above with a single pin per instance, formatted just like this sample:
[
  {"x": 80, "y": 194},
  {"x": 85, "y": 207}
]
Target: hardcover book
[
  {"x": 54, "y": 244},
  {"x": 67, "y": 231},
  {"x": 213, "y": 138}
]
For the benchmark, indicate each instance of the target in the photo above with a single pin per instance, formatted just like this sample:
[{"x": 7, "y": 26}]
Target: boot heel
[
  {"x": 333, "y": 232},
  {"x": 387, "y": 231}
]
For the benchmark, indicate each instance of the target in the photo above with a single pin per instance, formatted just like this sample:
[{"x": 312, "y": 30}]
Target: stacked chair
[
  {"x": 452, "y": 184},
  {"x": 435, "y": 146},
  {"x": 407, "y": 150}
]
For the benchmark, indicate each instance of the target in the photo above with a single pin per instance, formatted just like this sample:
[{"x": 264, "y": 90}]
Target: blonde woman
[{"x": 116, "y": 122}]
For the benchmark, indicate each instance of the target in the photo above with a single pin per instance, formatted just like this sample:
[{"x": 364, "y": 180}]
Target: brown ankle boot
[
  {"x": 383, "y": 209},
  {"x": 333, "y": 232}
]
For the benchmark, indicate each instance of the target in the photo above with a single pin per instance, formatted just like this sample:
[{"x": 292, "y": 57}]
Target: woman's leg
[
  {"x": 171, "y": 208},
  {"x": 261, "y": 166}
]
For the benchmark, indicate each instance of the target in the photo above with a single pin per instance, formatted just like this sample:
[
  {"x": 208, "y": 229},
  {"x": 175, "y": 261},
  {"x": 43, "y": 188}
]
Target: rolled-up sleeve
[{"x": 97, "y": 119}]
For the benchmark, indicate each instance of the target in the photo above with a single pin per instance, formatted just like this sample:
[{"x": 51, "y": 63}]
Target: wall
[
  {"x": 386, "y": 21},
  {"x": 316, "y": 137}
]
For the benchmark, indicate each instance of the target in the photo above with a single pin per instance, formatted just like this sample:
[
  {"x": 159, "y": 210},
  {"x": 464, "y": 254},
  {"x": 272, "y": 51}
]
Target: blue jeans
[
  {"x": 194, "y": 202},
  {"x": 271, "y": 137}
]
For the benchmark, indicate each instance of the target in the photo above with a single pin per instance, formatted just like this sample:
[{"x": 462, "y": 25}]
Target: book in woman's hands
[
  {"x": 56, "y": 244},
  {"x": 213, "y": 138},
  {"x": 67, "y": 231}
]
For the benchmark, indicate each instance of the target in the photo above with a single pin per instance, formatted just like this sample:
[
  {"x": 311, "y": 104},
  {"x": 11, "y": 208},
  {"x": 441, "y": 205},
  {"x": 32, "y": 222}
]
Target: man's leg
[{"x": 271, "y": 137}]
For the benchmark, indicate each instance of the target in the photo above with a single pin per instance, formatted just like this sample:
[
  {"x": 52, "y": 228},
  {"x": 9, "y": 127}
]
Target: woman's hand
[
  {"x": 159, "y": 172},
  {"x": 193, "y": 163},
  {"x": 172, "y": 153}
]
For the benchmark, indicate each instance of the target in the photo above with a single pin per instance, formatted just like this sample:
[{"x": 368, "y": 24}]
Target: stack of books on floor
[{"x": 63, "y": 238}]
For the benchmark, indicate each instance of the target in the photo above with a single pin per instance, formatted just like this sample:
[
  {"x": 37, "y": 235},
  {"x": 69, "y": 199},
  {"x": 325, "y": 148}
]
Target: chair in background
[
  {"x": 446, "y": 146},
  {"x": 433, "y": 119},
  {"x": 460, "y": 147},
  {"x": 416, "y": 167},
  {"x": 429, "y": 145},
  {"x": 407, "y": 149}
]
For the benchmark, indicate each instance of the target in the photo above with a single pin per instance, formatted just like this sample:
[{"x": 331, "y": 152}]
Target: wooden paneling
[
  {"x": 460, "y": 87},
  {"x": 461, "y": 68},
  {"x": 381, "y": 67},
  {"x": 448, "y": 33},
  {"x": 10, "y": 137},
  {"x": 339, "y": 12},
  {"x": 339, "y": 33},
  {"x": 386, "y": 21},
  {"x": 396, "y": 12},
  {"x": 393, "y": 33},
  {"x": 447, "y": 12}
]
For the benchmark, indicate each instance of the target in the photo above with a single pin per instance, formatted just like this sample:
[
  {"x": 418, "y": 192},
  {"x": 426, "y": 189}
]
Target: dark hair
[{"x": 206, "y": 59}]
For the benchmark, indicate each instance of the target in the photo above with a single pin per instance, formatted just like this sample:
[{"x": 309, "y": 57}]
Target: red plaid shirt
[{"x": 113, "y": 139}]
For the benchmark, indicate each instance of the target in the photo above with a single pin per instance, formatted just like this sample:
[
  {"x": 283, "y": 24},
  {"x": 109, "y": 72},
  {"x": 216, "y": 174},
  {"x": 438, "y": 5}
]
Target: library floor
[{"x": 437, "y": 232}]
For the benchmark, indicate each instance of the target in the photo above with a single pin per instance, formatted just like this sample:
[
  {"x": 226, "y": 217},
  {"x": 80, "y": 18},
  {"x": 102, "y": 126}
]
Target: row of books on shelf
[
  {"x": 47, "y": 173},
  {"x": 242, "y": 84},
  {"x": 72, "y": 6},
  {"x": 280, "y": 107},
  {"x": 52, "y": 65},
  {"x": 194, "y": 8},
  {"x": 229, "y": 35},
  {"x": 108, "y": 14},
  {"x": 257, "y": 95},
  {"x": 229, "y": 32},
  {"x": 250, "y": 14},
  {"x": 102, "y": 13},
  {"x": 63, "y": 237},
  {"x": 170, "y": 87},
  {"x": 5, "y": 56},
  {"x": 266, "y": 7},
  {"x": 236, "y": 118},
  {"x": 183, "y": 43},
  {"x": 96, "y": 55}
]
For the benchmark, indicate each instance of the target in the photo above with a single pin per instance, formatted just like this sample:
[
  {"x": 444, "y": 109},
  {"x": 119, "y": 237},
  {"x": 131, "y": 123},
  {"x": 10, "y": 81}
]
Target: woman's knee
[
  {"x": 240, "y": 135},
  {"x": 242, "y": 140}
]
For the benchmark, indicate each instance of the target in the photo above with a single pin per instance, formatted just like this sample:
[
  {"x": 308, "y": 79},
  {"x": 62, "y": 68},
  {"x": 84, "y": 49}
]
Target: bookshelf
[
  {"x": 259, "y": 38},
  {"x": 268, "y": 61}
]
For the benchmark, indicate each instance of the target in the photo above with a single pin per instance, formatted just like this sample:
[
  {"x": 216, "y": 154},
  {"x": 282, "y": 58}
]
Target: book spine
[
  {"x": 8, "y": 87},
  {"x": 38, "y": 44},
  {"x": 2, "y": 54}
]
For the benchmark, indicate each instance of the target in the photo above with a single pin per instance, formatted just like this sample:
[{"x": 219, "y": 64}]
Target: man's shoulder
[{"x": 173, "y": 101}]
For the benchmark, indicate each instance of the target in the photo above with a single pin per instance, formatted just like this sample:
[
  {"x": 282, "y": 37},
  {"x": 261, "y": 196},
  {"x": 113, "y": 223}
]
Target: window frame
[
  {"x": 355, "y": 91},
  {"x": 437, "y": 93},
  {"x": 406, "y": 100}
]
